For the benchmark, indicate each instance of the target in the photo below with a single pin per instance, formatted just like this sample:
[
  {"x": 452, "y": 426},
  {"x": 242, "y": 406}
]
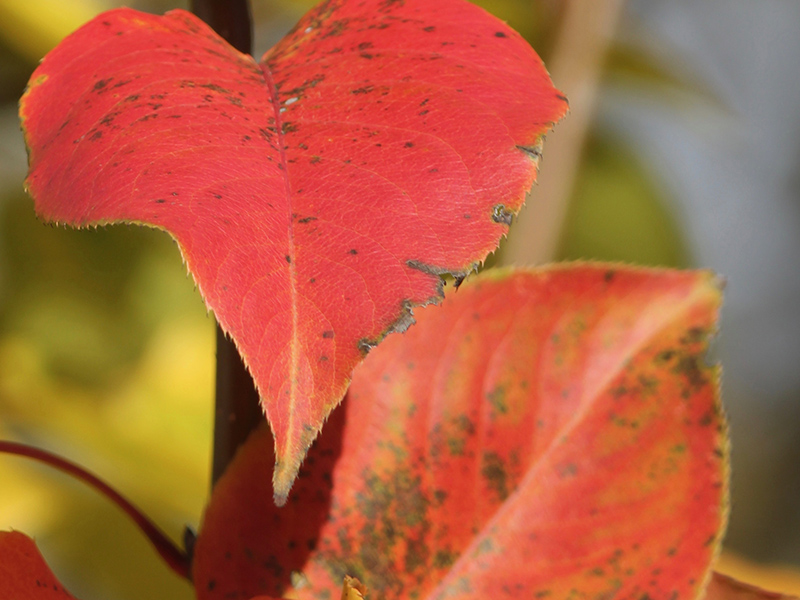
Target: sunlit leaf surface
[{"x": 549, "y": 433}]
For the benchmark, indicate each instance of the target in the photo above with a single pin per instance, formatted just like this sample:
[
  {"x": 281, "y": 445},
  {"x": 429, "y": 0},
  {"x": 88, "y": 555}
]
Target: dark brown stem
[
  {"x": 237, "y": 411},
  {"x": 177, "y": 559},
  {"x": 230, "y": 19}
]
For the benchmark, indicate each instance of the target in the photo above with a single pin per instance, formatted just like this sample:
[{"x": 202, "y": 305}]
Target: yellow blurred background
[{"x": 679, "y": 151}]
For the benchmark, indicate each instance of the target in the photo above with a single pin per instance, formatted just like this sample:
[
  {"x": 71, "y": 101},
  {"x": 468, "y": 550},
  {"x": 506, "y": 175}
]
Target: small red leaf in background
[
  {"x": 24, "y": 575},
  {"x": 548, "y": 433},
  {"x": 316, "y": 196}
]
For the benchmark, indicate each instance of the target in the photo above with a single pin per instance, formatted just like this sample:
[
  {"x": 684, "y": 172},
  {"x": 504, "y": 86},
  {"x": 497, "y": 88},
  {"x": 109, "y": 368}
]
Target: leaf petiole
[{"x": 176, "y": 559}]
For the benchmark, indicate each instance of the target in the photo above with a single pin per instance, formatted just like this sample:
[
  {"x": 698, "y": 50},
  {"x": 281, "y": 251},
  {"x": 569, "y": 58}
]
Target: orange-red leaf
[
  {"x": 316, "y": 196},
  {"x": 24, "y": 575},
  {"x": 549, "y": 433}
]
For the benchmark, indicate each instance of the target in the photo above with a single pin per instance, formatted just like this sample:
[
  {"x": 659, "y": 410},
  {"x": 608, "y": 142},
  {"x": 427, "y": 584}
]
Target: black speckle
[
  {"x": 500, "y": 34},
  {"x": 363, "y": 90},
  {"x": 307, "y": 220},
  {"x": 408, "y": 145},
  {"x": 423, "y": 112},
  {"x": 429, "y": 28},
  {"x": 562, "y": 97},
  {"x": 353, "y": 251},
  {"x": 160, "y": 201},
  {"x": 101, "y": 84},
  {"x": 500, "y": 214},
  {"x": 288, "y": 259},
  {"x": 365, "y": 345},
  {"x": 327, "y": 334}
]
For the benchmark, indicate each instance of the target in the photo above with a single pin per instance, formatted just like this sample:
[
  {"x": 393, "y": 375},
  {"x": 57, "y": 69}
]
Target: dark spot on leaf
[
  {"x": 534, "y": 152},
  {"x": 315, "y": 159},
  {"x": 497, "y": 399},
  {"x": 312, "y": 280},
  {"x": 367, "y": 56},
  {"x": 500, "y": 34},
  {"x": 363, "y": 90},
  {"x": 408, "y": 145},
  {"x": 429, "y": 28},
  {"x": 96, "y": 135},
  {"x": 608, "y": 276},
  {"x": 288, "y": 259},
  {"x": 327, "y": 334},
  {"x": 212, "y": 584},
  {"x": 215, "y": 87},
  {"x": 307, "y": 220},
  {"x": 365, "y": 345},
  {"x": 423, "y": 112},
  {"x": 132, "y": 98},
  {"x": 562, "y": 97},
  {"x": 353, "y": 251},
  {"x": 101, "y": 84},
  {"x": 493, "y": 470},
  {"x": 500, "y": 214},
  {"x": 365, "y": 45},
  {"x": 159, "y": 201}
]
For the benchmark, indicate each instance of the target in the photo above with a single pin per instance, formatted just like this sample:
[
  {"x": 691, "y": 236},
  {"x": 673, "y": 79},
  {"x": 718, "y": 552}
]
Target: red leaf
[
  {"x": 24, "y": 575},
  {"x": 551, "y": 433},
  {"x": 316, "y": 196},
  {"x": 723, "y": 587}
]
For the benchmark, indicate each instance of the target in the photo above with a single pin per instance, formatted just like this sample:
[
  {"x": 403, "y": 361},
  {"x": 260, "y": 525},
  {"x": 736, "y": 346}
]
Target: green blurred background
[{"x": 685, "y": 153}]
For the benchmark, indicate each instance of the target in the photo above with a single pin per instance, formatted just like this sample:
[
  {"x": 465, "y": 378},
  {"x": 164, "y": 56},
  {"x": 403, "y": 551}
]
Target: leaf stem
[
  {"x": 237, "y": 410},
  {"x": 175, "y": 558}
]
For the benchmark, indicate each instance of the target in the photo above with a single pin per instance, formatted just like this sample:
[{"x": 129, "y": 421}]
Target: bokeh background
[{"x": 682, "y": 149}]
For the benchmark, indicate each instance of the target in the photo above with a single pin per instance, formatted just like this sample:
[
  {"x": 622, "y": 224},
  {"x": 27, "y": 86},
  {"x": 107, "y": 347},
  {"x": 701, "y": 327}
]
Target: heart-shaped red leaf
[
  {"x": 550, "y": 433},
  {"x": 316, "y": 196},
  {"x": 24, "y": 574}
]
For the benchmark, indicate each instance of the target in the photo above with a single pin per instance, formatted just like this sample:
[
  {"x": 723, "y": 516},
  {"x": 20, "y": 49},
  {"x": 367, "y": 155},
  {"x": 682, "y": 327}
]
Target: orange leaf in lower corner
[
  {"x": 547, "y": 433},
  {"x": 24, "y": 574}
]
